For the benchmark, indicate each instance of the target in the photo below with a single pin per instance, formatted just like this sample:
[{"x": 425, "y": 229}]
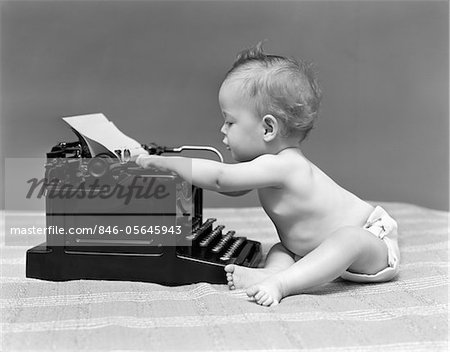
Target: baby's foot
[
  {"x": 243, "y": 277},
  {"x": 266, "y": 293}
]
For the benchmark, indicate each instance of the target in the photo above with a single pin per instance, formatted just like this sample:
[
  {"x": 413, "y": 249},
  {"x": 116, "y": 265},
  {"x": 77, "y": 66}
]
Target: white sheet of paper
[{"x": 98, "y": 128}]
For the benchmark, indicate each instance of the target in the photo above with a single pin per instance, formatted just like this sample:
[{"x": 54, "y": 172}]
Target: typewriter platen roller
[{"x": 197, "y": 254}]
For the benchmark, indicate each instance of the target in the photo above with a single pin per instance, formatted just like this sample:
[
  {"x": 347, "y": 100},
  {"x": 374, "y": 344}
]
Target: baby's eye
[{"x": 228, "y": 123}]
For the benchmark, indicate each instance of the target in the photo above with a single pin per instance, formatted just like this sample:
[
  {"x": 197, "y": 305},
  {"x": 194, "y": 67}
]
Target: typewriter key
[
  {"x": 206, "y": 227},
  {"x": 212, "y": 236},
  {"x": 223, "y": 242},
  {"x": 233, "y": 249}
]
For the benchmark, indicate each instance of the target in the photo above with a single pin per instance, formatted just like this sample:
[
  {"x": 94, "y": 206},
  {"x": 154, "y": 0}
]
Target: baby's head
[{"x": 276, "y": 86}]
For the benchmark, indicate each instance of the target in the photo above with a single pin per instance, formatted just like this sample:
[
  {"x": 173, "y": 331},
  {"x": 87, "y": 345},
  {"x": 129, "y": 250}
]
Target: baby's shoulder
[
  {"x": 282, "y": 160},
  {"x": 285, "y": 163},
  {"x": 294, "y": 160}
]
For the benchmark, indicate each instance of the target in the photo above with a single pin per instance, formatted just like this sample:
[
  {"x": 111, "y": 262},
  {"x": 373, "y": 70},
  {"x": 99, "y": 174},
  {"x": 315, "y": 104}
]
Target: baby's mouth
[{"x": 226, "y": 145}]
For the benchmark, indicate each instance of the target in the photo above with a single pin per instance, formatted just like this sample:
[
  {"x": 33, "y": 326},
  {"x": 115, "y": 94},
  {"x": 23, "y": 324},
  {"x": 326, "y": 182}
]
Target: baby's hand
[
  {"x": 145, "y": 161},
  {"x": 133, "y": 158}
]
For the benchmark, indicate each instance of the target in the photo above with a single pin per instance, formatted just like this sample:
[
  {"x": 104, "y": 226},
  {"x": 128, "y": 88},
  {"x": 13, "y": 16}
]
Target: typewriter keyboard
[{"x": 212, "y": 243}]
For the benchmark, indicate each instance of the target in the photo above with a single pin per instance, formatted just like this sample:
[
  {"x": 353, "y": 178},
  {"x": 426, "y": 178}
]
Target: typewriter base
[{"x": 166, "y": 268}]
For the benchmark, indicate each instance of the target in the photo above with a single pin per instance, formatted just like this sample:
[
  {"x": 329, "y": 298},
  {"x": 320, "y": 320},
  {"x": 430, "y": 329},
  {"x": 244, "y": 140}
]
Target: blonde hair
[{"x": 283, "y": 87}]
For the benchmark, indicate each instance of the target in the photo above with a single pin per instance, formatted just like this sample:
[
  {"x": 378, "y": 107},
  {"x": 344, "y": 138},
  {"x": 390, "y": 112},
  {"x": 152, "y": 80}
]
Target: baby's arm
[{"x": 264, "y": 171}]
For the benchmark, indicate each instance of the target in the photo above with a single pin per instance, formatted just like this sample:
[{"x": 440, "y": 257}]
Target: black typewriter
[{"x": 108, "y": 219}]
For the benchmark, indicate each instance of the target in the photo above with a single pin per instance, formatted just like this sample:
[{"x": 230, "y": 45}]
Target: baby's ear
[{"x": 271, "y": 127}]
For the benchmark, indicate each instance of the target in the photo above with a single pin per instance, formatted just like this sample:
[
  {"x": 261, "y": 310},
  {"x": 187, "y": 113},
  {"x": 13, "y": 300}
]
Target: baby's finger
[
  {"x": 140, "y": 160},
  {"x": 133, "y": 158}
]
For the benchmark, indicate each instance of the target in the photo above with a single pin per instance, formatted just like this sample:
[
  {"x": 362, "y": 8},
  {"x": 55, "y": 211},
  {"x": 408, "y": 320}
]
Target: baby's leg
[
  {"x": 278, "y": 259},
  {"x": 349, "y": 248}
]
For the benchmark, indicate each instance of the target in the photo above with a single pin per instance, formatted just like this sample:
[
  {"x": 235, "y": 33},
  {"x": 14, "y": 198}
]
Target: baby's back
[{"x": 310, "y": 206}]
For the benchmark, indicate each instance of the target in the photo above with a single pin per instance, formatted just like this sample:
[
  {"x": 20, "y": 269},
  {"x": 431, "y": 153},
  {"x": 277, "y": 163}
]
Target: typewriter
[{"x": 108, "y": 219}]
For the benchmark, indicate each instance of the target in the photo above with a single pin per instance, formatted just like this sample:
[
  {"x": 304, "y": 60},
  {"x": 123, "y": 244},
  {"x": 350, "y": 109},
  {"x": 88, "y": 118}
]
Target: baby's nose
[{"x": 223, "y": 129}]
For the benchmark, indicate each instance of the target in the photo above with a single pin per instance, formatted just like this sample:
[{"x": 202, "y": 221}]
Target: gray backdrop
[{"x": 154, "y": 68}]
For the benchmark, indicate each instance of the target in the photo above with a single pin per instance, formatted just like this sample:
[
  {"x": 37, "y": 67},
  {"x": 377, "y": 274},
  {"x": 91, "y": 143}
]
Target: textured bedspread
[{"x": 410, "y": 313}]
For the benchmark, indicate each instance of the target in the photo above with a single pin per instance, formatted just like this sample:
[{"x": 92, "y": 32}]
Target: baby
[{"x": 269, "y": 104}]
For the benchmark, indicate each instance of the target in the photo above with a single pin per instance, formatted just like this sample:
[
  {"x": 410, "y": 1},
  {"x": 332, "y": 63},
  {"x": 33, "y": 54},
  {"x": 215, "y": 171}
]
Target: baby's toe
[
  {"x": 229, "y": 268},
  {"x": 259, "y": 295},
  {"x": 268, "y": 301},
  {"x": 274, "y": 303},
  {"x": 252, "y": 290},
  {"x": 231, "y": 285},
  {"x": 265, "y": 297}
]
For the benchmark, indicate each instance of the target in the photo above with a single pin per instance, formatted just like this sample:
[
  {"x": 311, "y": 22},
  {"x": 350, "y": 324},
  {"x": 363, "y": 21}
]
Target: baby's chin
[{"x": 242, "y": 158}]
